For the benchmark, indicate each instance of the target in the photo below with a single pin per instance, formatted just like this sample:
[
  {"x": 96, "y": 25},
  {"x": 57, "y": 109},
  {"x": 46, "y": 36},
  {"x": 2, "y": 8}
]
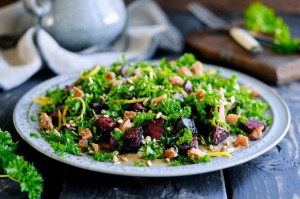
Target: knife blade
[{"x": 241, "y": 36}]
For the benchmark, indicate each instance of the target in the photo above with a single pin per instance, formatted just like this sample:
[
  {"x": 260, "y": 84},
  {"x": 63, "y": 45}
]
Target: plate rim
[{"x": 146, "y": 171}]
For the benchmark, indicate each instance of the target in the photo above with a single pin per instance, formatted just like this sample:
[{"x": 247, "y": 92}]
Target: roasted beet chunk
[
  {"x": 123, "y": 71},
  {"x": 188, "y": 87},
  {"x": 155, "y": 128},
  {"x": 68, "y": 88},
  {"x": 132, "y": 139},
  {"x": 218, "y": 134},
  {"x": 252, "y": 124},
  {"x": 139, "y": 107},
  {"x": 183, "y": 148},
  {"x": 105, "y": 125},
  {"x": 113, "y": 143},
  {"x": 178, "y": 96},
  {"x": 96, "y": 106},
  {"x": 183, "y": 122},
  {"x": 54, "y": 117}
]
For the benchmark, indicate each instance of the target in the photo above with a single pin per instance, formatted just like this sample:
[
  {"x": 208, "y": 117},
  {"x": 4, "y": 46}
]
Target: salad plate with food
[{"x": 152, "y": 118}]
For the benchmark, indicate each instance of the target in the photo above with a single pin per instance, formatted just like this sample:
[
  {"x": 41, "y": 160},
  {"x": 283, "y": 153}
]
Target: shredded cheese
[
  {"x": 228, "y": 155},
  {"x": 83, "y": 107},
  {"x": 93, "y": 72},
  {"x": 64, "y": 114},
  {"x": 59, "y": 120},
  {"x": 43, "y": 101},
  {"x": 135, "y": 100}
]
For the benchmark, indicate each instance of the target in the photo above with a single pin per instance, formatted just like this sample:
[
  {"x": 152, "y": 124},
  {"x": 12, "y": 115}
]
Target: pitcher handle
[{"x": 37, "y": 7}]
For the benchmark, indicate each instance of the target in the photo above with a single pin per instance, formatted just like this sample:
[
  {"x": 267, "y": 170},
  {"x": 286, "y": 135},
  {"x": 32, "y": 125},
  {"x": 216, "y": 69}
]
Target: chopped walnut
[
  {"x": 46, "y": 122},
  {"x": 256, "y": 133},
  {"x": 78, "y": 92},
  {"x": 170, "y": 153},
  {"x": 110, "y": 75},
  {"x": 129, "y": 115},
  {"x": 241, "y": 141},
  {"x": 185, "y": 71},
  {"x": 96, "y": 147},
  {"x": 176, "y": 80},
  {"x": 195, "y": 152},
  {"x": 125, "y": 125},
  {"x": 200, "y": 94},
  {"x": 86, "y": 134},
  {"x": 83, "y": 144},
  {"x": 198, "y": 68},
  {"x": 232, "y": 118},
  {"x": 157, "y": 100}
]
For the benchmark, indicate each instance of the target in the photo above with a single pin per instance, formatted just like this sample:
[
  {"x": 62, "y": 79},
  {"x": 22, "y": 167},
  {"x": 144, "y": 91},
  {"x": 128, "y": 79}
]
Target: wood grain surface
[{"x": 269, "y": 66}]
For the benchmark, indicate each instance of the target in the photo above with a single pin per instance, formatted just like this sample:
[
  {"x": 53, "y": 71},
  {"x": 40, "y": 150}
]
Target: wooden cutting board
[{"x": 268, "y": 66}]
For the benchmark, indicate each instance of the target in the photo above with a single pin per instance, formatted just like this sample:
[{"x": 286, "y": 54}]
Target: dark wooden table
[{"x": 276, "y": 174}]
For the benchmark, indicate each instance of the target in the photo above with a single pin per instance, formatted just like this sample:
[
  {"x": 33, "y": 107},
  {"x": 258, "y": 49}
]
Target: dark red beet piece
[
  {"x": 183, "y": 148},
  {"x": 123, "y": 71},
  {"x": 218, "y": 134},
  {"x": 251, "y": 124},
  {"x": 188, "y": 87},
  {"x": 104, "y": 126},
  {"x": 139, "y": 107},
  {"x": 68, "y": 88},
  {"x": 183, "y": 122},
  {"x": 132, "y": 139},
  {"x": 178, "y": 96},
  {"x": 96, "y": 106},
  {"x": 155, "y": 128},
  {"x": 54, "y": 117},
  {"x": 113, "y": 143}
]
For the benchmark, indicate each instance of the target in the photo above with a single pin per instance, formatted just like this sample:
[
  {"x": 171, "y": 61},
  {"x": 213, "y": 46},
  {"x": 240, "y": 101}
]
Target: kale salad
[{"x": 173, "y": 112}]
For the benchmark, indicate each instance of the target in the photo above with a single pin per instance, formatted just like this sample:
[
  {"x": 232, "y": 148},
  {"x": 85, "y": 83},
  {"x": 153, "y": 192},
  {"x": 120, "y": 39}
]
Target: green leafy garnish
[
  {"x": 261, "y": 18},
  {"x": 18, "y": 169},
  {"x": 102, "y": 157},
  {"x": 32, "y": 118},
  {"x": 139, "y": 164}
]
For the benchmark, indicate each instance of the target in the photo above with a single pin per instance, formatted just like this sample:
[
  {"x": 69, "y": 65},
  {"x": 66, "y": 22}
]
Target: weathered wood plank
[
  {"x": 89, "y": 185},
  {"x": 51, "y": 170},
  {"x": 275, "y": 174}
]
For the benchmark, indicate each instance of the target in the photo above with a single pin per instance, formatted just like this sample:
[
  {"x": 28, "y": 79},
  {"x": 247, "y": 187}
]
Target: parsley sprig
[{"x": 17, "y": 169}]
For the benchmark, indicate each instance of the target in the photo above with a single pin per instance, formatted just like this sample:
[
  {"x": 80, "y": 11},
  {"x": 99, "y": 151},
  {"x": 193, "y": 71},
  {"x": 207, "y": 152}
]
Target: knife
[{"x": 241, "y": 36}]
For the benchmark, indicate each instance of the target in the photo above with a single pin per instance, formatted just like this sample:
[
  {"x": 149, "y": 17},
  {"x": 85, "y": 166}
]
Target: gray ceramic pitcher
[{"x": 79, "y": 24}]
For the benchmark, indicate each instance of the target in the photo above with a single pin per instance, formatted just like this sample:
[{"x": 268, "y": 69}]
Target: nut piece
[
  {"x": 78, "y": 92},
  {"x": 96, "y": 147},
  {"x": 241, "y": 141},
  {"x": 255, "y": 92},
  {"x": 185, "y": 70},
  {"x": 256, "y": 133},
  {"x": 125, "y": 125},
  {"x": 170, "y": 153},
  {"x": 129, "y": 115},
  {"x": 198, "y": 68},
  {"x": 110, "y": 75},
  {"x": 46, "y": 122},
  {"x": 159, "y": 99},
  {"x": 200, "y": 94},
  {"x": 83, "y": 144},
  {"x": 196, "y": 153},
  {"x": 86, "y": 134},
  {"x": 232, "y": 118},
  {"x": 176, "y": 80}
]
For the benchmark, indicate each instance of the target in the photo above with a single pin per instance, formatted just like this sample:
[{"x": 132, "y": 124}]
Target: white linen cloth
[{"x": 148, "y": 29}]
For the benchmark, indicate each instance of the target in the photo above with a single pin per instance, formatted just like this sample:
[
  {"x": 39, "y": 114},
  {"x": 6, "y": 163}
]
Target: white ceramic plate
[{"x": 280, "y": 122}]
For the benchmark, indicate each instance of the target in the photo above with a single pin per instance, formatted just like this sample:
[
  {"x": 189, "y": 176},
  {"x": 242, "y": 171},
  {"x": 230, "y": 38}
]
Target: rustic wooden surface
[
  {"x": 276, "y": 174},
  {"x": 280, "y": 68}
]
